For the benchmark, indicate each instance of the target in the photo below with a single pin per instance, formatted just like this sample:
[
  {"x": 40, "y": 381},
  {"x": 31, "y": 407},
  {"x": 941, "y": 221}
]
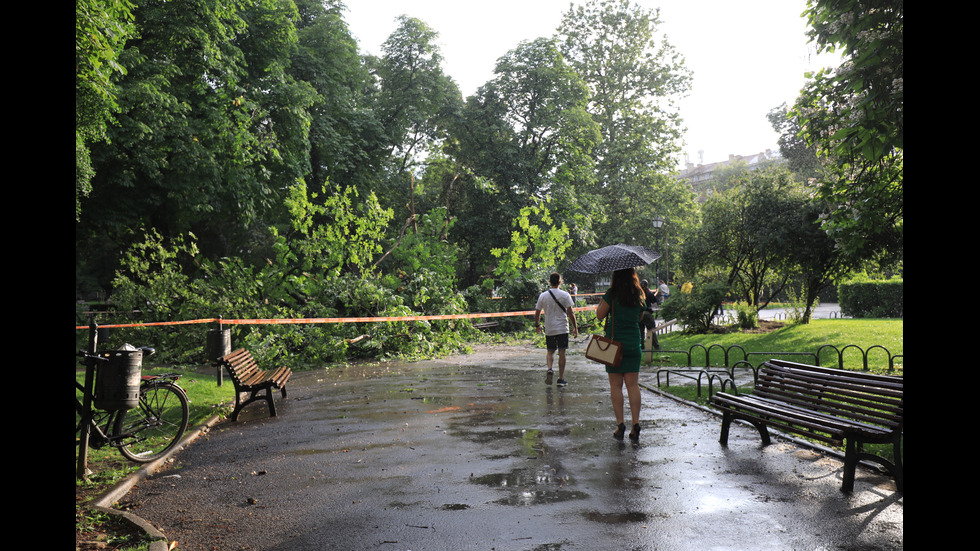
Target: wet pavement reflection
[{"x": 476, "y": 452}]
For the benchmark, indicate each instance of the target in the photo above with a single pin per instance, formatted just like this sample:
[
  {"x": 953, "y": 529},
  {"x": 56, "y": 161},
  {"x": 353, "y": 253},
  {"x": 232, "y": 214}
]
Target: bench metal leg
[
  {"x": 272, "y": 403},
  {"x": 763, "y": 432},
  {"x": 238, "y": 406},
  {"x": 267, "y": 396},
  {"x": 853, "y": 455},
  {"x": 850, "y": 466},
  {"x": 726, "y": 423},
  {"x": 899, "y": 470}
]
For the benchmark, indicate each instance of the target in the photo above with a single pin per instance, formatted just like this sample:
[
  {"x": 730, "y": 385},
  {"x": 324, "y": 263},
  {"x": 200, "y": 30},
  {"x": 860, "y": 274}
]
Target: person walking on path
[
  {"x": 664, "y": 291},
  {"x": 557, "y": 307},
  {"x": 648, "y": 321},
  {"x": 624, "y": 302}
]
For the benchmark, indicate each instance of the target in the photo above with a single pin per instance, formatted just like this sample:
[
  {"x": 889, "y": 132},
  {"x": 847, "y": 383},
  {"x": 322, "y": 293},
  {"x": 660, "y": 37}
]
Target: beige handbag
[{"x": 605, "y": 350}]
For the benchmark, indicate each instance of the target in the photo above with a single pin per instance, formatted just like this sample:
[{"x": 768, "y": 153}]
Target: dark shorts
[
  {"x": 556, "y": 342},
  {"x": 648, "y": 320}
]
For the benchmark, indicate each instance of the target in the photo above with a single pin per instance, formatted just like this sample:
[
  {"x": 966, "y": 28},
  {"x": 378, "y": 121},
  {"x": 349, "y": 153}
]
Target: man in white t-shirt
[{"x": 557, "y": 307}]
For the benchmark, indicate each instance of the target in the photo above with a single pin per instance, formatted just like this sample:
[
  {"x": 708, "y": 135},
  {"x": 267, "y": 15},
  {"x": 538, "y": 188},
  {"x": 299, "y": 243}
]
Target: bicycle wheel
[{"x": 150, "y": 430}]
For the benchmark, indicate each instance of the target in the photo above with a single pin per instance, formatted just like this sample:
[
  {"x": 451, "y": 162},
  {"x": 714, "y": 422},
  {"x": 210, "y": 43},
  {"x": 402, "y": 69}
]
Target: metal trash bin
[
  {"x": 218, "y": 344},
  {"x": 117, "y": 381}
]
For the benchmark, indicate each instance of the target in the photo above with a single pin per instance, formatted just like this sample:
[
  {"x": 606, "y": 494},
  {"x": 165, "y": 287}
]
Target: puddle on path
[{"x": 525, "y": 488}]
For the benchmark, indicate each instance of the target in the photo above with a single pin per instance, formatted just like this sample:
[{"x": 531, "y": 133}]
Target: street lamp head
[{"x": 658, "y": 222}]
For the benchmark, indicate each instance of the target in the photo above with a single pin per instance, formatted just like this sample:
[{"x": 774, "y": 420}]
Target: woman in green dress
[{"x": 624, "y": 303}]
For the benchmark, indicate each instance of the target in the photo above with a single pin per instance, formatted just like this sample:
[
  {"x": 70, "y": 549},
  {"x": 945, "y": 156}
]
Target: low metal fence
[{"x": 724, "y": 366}]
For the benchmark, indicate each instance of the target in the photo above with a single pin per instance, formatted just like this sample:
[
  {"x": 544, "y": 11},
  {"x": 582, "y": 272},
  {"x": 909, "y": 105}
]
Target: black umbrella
[{"x": 612, "y": 258}]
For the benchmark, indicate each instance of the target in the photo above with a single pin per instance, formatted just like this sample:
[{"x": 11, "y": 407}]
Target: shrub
[
  {"x": 323, "y": 267},
  {"x": 696, "y": 309},
  {"x": 863, "y": 298},
  {"x": 746, "y": 316}
]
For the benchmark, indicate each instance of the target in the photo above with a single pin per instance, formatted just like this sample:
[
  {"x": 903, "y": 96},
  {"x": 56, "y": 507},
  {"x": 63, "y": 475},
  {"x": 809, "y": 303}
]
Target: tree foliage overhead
[
  {"x": 527, "y": 129},
  {"x": 854, "y": 116},
  {"x": 635, "y": 77},
  {"x": 211, "y": 128},
  {"x": 226, "y": 104},
  {"x": 344, "y": 134},
  {"x": 101, "y": 29},
  {"x": 243, "y": 158},
  {"x": 524, "y": 136},
  {"x": 415, "y": 99}
]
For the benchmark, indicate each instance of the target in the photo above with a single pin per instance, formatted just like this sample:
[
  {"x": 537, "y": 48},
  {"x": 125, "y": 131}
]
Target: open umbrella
[{"x": 612, "y": 258}]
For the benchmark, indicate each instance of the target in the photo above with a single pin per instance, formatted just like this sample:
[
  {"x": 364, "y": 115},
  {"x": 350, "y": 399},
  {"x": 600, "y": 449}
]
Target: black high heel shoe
[
  {"x": 635, "y": 433},
  {"x": 618, "y": 435}
]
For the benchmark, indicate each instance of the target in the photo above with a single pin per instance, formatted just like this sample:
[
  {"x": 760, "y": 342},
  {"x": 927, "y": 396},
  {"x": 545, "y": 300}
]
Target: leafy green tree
[
  {"x": 346, "y": 140},
  {"x": 812, "y": 256},
  {"x": 746, "y": 231},
  {"x": 854, "y": 115},
  {"x": 634, "y": 76},
  {"x": 209, "y": 128},
  {"x": 101, "y": 29},
  {"x": 415, "y": 103},
  {"x": 524, "y": 136},
  {"x": 762, "y": 236}
]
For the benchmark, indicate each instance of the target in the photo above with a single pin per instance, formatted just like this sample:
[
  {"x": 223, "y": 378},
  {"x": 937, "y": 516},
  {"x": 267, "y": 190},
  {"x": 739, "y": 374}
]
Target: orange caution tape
[{"x": 297, "y": 321}]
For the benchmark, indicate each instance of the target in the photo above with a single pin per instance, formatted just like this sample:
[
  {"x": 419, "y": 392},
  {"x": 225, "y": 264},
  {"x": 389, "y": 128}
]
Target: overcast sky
[{"x": 747, "y": 57}]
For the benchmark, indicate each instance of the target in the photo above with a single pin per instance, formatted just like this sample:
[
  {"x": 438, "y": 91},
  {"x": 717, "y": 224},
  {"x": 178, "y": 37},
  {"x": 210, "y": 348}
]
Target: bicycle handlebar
[{"x": 147, "y": 351}]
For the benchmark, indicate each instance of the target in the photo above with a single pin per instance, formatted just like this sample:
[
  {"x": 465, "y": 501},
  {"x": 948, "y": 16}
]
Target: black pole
[{"x": 81, "y": 470}]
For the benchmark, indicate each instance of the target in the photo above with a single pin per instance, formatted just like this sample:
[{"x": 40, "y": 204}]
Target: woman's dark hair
[{"x": 626, "y": 287}]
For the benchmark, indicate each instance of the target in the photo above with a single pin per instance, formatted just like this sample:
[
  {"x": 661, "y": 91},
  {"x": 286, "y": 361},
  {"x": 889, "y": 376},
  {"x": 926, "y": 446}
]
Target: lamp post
[{"x": 658, "y": 223}]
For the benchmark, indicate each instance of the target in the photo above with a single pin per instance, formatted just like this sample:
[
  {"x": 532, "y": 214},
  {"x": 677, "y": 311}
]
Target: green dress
[{"x": 625, "y": 328}]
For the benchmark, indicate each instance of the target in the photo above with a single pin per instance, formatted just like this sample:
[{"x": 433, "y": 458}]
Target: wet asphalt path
[{"x": 476, "y": 453}]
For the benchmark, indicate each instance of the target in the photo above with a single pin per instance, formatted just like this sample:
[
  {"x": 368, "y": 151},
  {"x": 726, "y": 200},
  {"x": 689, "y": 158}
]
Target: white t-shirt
[{"x": 555, "y": 318}]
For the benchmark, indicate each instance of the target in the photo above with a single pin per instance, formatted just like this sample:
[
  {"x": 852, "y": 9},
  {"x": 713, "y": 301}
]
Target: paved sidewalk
[{"x": 475, "y": 452}]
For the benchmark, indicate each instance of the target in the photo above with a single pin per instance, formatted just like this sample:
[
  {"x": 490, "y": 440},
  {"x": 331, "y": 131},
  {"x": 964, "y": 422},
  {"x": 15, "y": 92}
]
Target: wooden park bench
[
  {"x": 828, "y": 405},
  {"x": 248, "y": 378}
]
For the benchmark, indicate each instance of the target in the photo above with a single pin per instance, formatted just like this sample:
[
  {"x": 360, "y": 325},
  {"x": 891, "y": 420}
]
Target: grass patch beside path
[
  {"x": 205, "y": 398},
  {"x": 108, "y": 466},
  {"x": 864, "y": 333}
]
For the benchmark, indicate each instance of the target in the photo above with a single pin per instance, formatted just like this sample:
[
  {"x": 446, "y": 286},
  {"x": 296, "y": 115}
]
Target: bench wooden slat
[
  {"x": 828, "y": 405},
  {"x": 823, "y": 427},
  {"x": 866, "y": 403},
  {"x": 248, "y": 378},
  {"x": 859, "y": 411},
  {"x": 845, "y": 386}
]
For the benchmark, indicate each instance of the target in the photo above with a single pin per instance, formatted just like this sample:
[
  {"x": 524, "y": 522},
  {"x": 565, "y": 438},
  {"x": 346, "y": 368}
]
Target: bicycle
[{"x": 143, "y": 433}]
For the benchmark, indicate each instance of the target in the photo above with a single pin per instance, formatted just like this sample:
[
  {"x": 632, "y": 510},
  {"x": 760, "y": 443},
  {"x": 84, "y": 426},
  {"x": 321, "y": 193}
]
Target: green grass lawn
[{"x": 107, "y": 466}]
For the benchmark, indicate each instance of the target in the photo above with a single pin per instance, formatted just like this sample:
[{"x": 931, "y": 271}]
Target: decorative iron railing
[{"x": 725, "y": 366}]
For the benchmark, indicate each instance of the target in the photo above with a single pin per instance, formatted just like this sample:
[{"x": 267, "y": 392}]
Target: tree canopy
[
  {"x": 854, "y": 116},
  {"x": 249, "y": 144}
]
